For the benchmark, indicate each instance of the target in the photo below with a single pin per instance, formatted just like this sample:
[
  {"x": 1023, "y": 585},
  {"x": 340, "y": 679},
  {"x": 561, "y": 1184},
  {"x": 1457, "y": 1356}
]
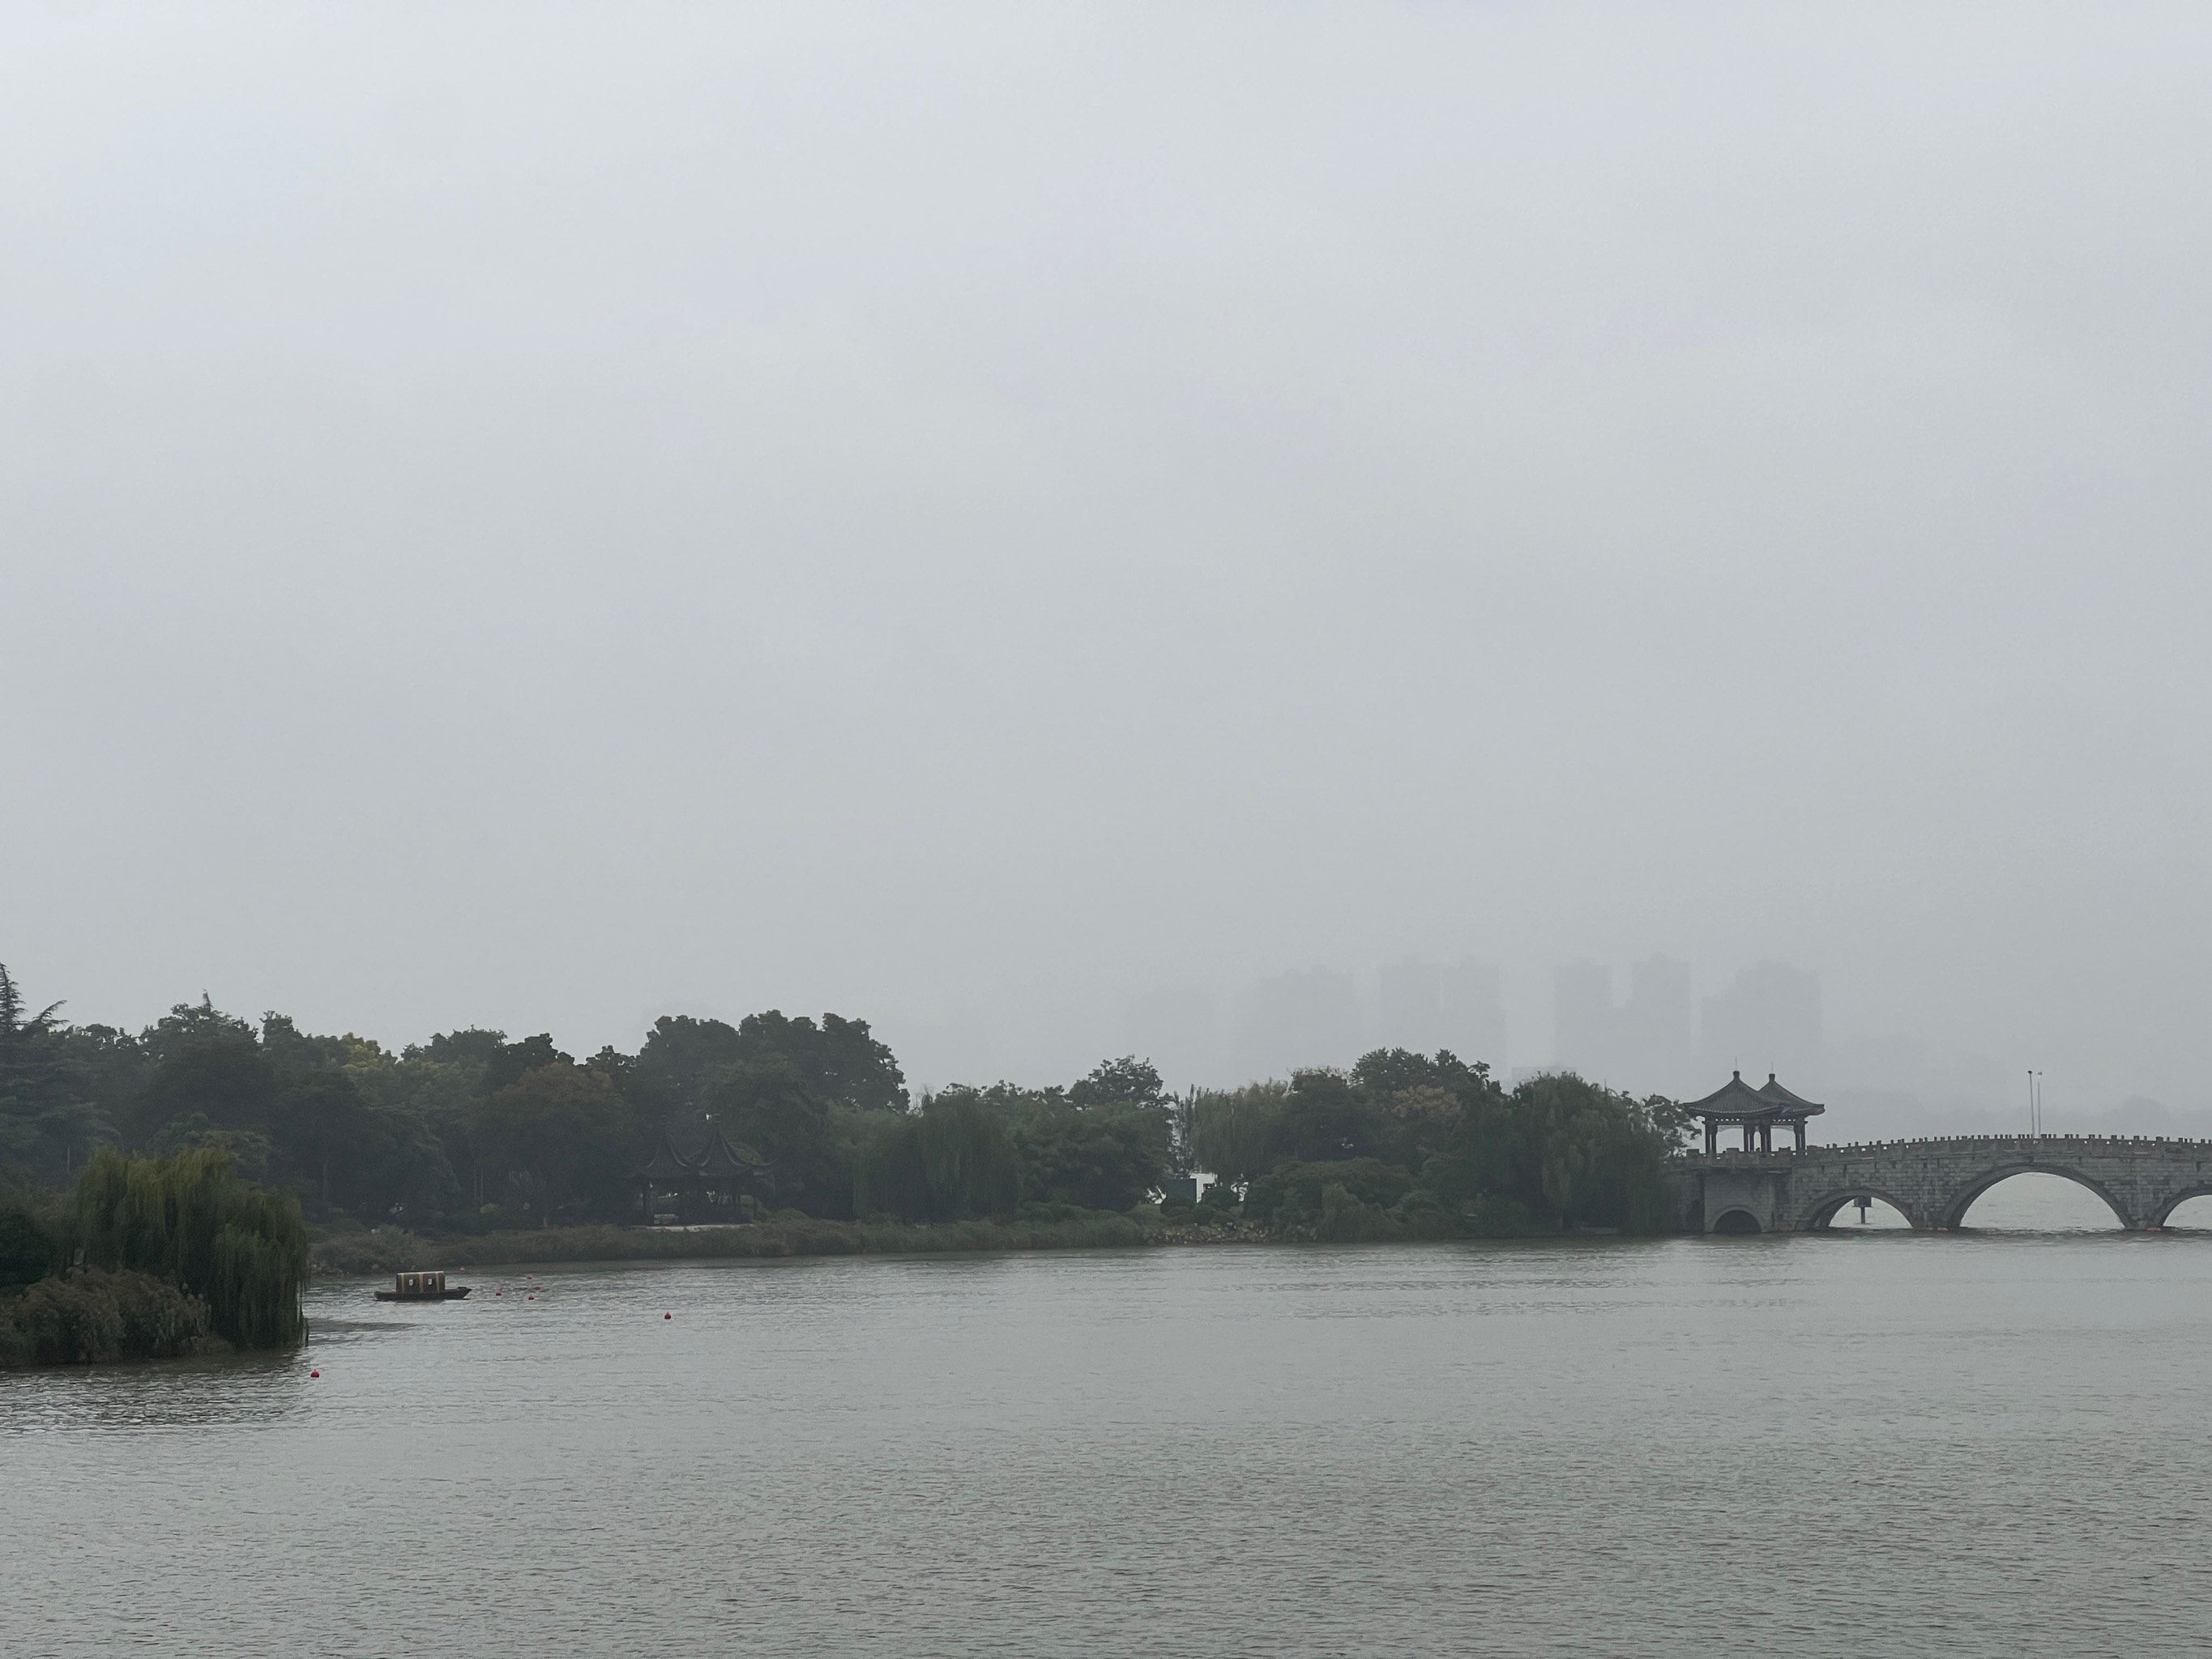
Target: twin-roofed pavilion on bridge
[{"x": 1757, "y": 1111}]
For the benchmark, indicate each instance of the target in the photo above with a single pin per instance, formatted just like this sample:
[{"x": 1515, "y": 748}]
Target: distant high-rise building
[
  {"x": 1769, "y": 1020},
  {"x": 1299, "y": 1019},
  {"x": 1582, "y": 1021},
  {"x": 1178, "y": 1031},
  {"x": 1424, "y": 1008},
  {"x": 1409, "y": 1008},
  {"x": 1473, "y": 997},
  {"x": 1652, "y": 1035}
]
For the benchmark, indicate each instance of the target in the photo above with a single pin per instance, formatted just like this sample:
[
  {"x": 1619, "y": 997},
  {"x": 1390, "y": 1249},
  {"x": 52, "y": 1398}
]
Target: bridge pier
[{"x": 1933, "y": 1183}]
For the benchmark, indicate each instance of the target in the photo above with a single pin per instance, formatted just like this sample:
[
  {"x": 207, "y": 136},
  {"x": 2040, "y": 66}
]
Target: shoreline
[{"x": 387, "y": 1251}]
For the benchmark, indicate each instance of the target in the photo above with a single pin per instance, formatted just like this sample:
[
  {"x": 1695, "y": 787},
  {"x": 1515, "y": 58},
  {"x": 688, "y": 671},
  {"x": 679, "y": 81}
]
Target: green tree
[
  {"x": 221, "y": 1076},
  {"x": 1102, "y": 1157},
  {"x": 845, "y": 1062},
  {"x": 1236, "y": 1133},
  {"x": 28, "y": 1250},
  {"x": 242, "y": 1250},
  {"x": 108, "y": 1068},
  {"x": 955, "y": 1157},
  {"x": 1326, "y": 1118},
  {"x": 1598, "y": 1155},
  {"x": 767, "y": 1104},
  {"x": 566, "y": 1137},
  {"x": 1127, "y": 1081},
  {"x": 1292, "y": 1193},
  {"x": 193, "y": 1025},
  {"x": 446, "y": 1082},
  {"x": 249, "y": 1150},
  {"x": 821, "y": 1102},
  {"x": 683, "y": 1063},
  {"x": 837, "y": 1061},
  {"x": 45, "y": 1121}
]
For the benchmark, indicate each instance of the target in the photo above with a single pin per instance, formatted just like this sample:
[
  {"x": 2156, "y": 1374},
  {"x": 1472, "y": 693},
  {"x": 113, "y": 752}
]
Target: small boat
[{"x": 421, "y": 1287}]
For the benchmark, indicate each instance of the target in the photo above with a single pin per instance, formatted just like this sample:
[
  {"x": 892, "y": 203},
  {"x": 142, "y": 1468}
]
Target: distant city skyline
[{"x": 1651, "y": 1024}]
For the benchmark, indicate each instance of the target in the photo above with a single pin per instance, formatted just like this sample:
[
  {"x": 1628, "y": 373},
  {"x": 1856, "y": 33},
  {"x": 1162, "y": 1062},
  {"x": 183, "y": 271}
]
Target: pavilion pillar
[
  {"x": 1712, "y": 1138},
  {"x": 1747, "y": 1132},
  {"x": 1765, "y": 1137},
  {"x": 1799, "y": 1125}
]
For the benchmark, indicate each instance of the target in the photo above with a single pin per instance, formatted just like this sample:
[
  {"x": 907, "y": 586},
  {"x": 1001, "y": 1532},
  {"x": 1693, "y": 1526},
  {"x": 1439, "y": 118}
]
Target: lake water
[{"x": 1878, "y": 1444}]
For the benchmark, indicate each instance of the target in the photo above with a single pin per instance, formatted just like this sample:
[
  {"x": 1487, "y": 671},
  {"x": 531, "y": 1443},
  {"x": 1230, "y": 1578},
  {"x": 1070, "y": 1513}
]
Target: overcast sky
[{"x": 534, "y": 515}]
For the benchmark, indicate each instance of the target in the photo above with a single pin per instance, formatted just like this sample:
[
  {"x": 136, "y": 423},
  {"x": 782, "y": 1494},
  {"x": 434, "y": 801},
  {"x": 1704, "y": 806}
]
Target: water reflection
[{"x": 168, "y": 1394}]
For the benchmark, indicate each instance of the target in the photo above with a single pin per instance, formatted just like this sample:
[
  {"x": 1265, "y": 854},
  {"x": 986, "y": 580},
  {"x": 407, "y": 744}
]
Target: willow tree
[
  {"x": 1237, "y": 1133},
  {"x": 189, "y": 1219},
  {"x": 953, "y": 1159}
]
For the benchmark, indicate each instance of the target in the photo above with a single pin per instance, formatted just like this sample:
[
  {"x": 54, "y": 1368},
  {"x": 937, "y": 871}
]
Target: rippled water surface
[{"x": 1876, "y": 1444}]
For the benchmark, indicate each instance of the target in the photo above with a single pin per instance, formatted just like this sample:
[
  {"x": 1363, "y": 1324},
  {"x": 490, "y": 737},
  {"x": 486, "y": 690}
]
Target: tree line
[
  {"x": 1431, "y": 1146},
  {"x": 473, "y": 1130}
]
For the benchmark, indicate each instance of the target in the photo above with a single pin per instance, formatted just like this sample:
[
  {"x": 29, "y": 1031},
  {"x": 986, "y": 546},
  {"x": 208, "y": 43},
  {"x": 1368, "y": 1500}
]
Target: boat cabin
[{"x": 428, "y": 1286}]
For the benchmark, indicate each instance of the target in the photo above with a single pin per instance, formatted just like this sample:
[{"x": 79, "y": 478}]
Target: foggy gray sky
[{"x": 536, "y": 516}]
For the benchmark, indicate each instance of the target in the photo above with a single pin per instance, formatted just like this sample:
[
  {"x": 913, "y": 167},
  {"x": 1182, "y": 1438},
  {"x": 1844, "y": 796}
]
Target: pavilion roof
[
  {"x": 720, "y": 1160},
  {"x": 1736, "y": 1101},
  {"x": 1782, "y": 1097},
  {"x": 667, "y": 1164}
]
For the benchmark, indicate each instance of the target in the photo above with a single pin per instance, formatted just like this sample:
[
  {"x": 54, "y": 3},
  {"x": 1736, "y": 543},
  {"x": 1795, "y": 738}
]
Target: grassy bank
[{"x": 391, "y": 1250}]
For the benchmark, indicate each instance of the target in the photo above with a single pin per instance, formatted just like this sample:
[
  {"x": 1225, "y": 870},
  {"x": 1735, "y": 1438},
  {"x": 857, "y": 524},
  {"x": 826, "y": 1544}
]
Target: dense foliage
[
  {"x": 473, "y": 1131},
  {"x": 241, "y": 1250},
  {"x": 88, "y": 1314},
  {"x": 1407, "y": 1144},
  {"x": 1105, "y": 1143},
  {"x": 150, "y": 1257}
]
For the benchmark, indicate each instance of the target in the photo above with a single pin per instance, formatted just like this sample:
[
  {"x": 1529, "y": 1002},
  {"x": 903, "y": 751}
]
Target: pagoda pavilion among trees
[{"x": 720, "y": 1182}]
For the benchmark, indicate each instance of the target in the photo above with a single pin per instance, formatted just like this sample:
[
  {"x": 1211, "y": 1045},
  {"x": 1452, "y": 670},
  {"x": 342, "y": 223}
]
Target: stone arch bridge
[{"x": 1932, "y": 1182}]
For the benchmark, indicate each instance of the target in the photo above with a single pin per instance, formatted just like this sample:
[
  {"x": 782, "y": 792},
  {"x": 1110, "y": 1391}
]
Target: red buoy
[
  {"x": 315, "y": 1373},
  {"x": 668, "y": 1315}
]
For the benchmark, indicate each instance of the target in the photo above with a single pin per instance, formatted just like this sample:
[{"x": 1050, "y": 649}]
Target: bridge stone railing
[{"x": 1933, "y": 1181}]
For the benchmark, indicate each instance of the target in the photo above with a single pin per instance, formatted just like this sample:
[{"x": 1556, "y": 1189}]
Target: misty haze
[
  {"x": 1086, "y": 830},
  {"x": 1027, "y": 530}
]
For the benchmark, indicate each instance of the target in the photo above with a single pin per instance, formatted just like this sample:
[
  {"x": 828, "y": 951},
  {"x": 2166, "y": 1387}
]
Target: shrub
[
  {"x": 1346, "y": 1220},
  {"x": 1420, "y": 1215},
  {"x": 1496, "y": 1218},
  {"x": 90, "y": 1315},
  {"x": 1047, "y": 1212},
  {"x": 1292, "y": 1194},
  {"x": 27, "y": 1252}
]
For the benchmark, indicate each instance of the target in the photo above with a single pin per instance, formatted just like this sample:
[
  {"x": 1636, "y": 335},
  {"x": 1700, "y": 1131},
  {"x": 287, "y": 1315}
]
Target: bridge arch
[
  {"x": 1954, "y": 1212},
  {"x": 1735, "y": 1221},
  {"x": 2164, "y": 1213},
  {"x": 1821, "y": 1212}
]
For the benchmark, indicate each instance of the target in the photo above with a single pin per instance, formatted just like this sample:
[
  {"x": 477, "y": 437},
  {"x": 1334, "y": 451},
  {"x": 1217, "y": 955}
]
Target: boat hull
[{"x": 424, "y": 1295}]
